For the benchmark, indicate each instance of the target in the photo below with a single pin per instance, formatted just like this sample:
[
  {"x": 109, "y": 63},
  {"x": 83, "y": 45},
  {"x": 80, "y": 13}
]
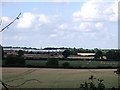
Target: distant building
[{"x": 86, "y": 54}]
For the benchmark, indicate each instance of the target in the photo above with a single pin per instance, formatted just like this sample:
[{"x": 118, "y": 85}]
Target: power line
[{"x": 10, "y": 23}]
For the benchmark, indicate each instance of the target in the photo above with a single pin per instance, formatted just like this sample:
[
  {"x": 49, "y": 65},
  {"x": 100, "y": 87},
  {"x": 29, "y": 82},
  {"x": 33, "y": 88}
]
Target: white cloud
[
  {"x": 99, "y": 25},
  {"x": 97, "y": 10},
  {"x": 53, "y": 35},
  {"x": 29, "y": 20},
  {"x": 63, "y": 26},
  {"x": 90, "y": 26},
  {"x": 26, "y": 20},
  {"x": 5, "y": 20},
  {"x": 85, "y": 26},
  {"x": 114, "y": 16},
  {"x": 43, "y": 19},
  {"x": 18, "y": 37}
]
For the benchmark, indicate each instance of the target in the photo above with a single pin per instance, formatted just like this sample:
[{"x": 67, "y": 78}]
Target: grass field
[
  {"x": 55, "y": 78},
  {"x": 76, "y": 63}
]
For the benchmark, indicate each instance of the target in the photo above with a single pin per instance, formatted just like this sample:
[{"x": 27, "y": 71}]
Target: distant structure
[{"x": 86, "y": 54}]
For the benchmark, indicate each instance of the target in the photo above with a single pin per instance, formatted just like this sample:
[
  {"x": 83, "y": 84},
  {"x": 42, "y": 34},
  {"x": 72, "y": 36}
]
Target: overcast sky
[{"x": 85, "y": 24}]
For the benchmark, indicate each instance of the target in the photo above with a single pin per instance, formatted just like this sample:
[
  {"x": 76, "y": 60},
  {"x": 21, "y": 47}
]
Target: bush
[
  {"x": 113, "y": 55},
  {"x": 12, "y": 60},
  {"x": 52, "y": 63},
  {"x": 66, "y": 53},
  {"x": 66, "y": 64},
  {"x": 90, "y": 85}
]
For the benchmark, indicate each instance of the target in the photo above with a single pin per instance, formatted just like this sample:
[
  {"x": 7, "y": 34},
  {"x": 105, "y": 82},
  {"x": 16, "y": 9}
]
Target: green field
[
  {"x": 76, "y": 63},
  {"x": 56, "y": 78}
]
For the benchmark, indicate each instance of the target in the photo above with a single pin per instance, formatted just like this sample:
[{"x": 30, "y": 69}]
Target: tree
[
  {"x": 15, "y": 60},
  {"x": 52, "y": 63},
  {"x": 74, "y": 51},
  {"x": 20, "y": 53},
  {"x": 99, "y": 54},
  {"x": 66, "y": 53},
  {"x": 113, "y": 55},
  {"x": 12, "y": 60}
]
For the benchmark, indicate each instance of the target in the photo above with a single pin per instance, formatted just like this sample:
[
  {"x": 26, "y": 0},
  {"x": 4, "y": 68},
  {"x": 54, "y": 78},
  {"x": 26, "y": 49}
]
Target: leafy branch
[{"x": 90, "y": 85}]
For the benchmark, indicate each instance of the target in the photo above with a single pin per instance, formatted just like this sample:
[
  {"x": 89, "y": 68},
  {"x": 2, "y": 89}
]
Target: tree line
[{"x": 112, "y": 54}]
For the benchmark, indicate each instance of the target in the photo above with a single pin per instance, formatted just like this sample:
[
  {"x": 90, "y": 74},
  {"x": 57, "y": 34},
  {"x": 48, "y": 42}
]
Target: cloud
[
  {"x": 97, "y": 10},
  {"x": 43, "y": 19},
  {"x": 63, "y": 26},
  {"x": 30, "y": 20},
  {"x": 53, "y": 35},
  {"x": 85, "y": 26},
  {"x": 90, "y": 27},
  {"x": 19, "y": 37},
  {"x": 99, "y": 25},
  {"x": 26, "y": 20},
  {"x": 57, "y": 28},
  {"x": 5, "y": 20},
  {"x": 114, "y": 11},
  {"x": 94, "y": 17}
]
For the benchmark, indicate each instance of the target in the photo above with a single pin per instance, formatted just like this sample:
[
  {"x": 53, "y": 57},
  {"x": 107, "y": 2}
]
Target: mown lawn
[{"x": 56, "y": 78}]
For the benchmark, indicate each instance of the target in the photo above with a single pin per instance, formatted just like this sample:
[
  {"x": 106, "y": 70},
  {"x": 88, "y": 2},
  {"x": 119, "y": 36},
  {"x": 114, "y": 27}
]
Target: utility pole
[{"x": 3, "y": 84}]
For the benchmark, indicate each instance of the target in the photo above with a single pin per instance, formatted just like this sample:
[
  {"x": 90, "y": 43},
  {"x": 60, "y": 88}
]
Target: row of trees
[
  {"x": 110, "y": 55},
  {"x": 15, "y": 60}
]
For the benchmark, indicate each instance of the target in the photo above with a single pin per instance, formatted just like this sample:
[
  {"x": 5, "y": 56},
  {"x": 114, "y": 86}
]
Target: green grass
[
  {"x": 57, "y": 78},
  {"x": 36, "y": 62},
  {"x": 91, "y": 64},
  {"x": 75, "y": 63}
]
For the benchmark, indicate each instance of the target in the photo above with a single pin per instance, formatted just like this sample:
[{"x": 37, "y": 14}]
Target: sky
[{"x": 84, "y": 24}]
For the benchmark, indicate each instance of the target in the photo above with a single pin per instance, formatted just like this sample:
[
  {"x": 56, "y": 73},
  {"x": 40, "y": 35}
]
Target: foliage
[
  {"x": 66, "y": 64},
  {"x": 52, "y": 62},
  {"x": 20, "y": 53},
  {"x": 90, "y": 85},
  {"x": 66, "y": 53},
  {"x": 113, "y": 54},
  {"x": 99, "y": 54},
  {"x": 13, "y": 60},
  {"x": 76, "y": 63}
]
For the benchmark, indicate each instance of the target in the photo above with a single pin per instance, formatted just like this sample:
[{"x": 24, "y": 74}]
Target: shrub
[
  {"x": 52, "y": 63},
  {"x": 12, "y": 60},
  {"x": 66, "y": 53},
  {"x": 66, "y": 64},
  {"x": 90, "y": 85}
]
